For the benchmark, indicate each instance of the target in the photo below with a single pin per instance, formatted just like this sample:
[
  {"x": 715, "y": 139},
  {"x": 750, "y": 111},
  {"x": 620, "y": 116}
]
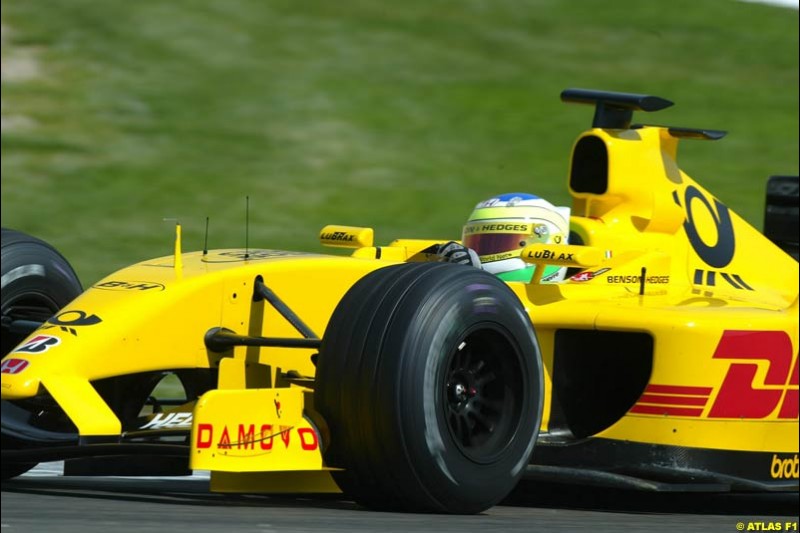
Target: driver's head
[{"x": 501, "y": 226}]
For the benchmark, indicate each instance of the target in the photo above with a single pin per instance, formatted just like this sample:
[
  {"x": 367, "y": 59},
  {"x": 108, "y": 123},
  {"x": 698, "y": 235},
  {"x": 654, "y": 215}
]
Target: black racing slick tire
[
  {"x": 36, "y": 281},
  {"x": 430, "y": 380},
  {"x": 782, "y": 213}
]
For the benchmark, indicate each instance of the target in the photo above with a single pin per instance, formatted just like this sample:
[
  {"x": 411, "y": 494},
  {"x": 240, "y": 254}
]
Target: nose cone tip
[{"x": 15, "y": 387}]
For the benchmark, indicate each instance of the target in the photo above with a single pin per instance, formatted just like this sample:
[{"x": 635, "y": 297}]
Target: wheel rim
[{"x": 483, "y": 393}]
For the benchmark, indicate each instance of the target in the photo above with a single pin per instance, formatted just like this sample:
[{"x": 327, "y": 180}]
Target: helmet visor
[{"x": 492, "y": 244}]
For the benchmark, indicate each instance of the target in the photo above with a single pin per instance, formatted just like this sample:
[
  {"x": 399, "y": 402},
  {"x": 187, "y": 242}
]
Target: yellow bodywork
[{"x": 660, "y": 255}]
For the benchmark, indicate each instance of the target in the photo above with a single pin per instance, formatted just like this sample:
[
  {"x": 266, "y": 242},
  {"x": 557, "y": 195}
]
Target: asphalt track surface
[{"x": 43, "y": 500}]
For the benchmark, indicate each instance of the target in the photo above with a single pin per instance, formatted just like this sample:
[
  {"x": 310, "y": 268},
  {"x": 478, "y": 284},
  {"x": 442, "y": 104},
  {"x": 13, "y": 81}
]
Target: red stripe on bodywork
[
  {"x": 665, "y": 410},
  {"x": 678, "y": 389},
  {"x": 663, "y": 399}
]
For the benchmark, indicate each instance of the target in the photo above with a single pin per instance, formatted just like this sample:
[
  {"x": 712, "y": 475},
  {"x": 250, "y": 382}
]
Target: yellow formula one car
[{"x": 667, "y": 359}]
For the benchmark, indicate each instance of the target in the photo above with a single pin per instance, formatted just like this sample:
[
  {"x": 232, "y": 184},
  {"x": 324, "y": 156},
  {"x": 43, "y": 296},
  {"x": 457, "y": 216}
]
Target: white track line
[{"x": 56, "y": 469}]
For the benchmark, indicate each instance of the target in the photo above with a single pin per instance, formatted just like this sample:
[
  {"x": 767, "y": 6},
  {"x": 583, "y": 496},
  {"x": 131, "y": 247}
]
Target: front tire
[
  {"x": 36, "y": 282},
  {"x": 430, "y": 380}
]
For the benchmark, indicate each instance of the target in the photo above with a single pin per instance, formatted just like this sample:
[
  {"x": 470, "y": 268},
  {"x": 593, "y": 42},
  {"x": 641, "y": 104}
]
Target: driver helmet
[{"x": 501, "y": 226}]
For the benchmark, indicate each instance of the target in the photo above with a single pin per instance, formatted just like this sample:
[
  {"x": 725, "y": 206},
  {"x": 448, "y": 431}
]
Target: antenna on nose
[
  {"x": 205, "y": 240},
  {"x": 247, "y": 228}
]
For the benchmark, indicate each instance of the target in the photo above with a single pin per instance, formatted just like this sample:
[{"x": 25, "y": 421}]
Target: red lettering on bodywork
[
  {"x": 737, "y": 397},
  {"x": 789, "y": 409},
  {"x": 204, "y": 434}
]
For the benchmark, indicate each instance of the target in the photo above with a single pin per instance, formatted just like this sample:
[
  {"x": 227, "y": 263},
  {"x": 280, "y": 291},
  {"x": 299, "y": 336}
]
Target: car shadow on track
[
  {"x": 171, "y": 491},
  {"x": 195, "y": 492},
  {"x": 560, "y": 496}
]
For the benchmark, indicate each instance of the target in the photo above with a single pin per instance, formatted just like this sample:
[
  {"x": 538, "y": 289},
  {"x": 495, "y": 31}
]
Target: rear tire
[
  {"x": 430, "y": 380},
  {"x": 36, "y": 282},
  {"x": 782, "y": 213}
]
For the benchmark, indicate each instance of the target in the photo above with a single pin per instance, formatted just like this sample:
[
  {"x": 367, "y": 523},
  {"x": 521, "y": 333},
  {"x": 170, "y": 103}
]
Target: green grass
[{"x": 396, "y": 115}]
